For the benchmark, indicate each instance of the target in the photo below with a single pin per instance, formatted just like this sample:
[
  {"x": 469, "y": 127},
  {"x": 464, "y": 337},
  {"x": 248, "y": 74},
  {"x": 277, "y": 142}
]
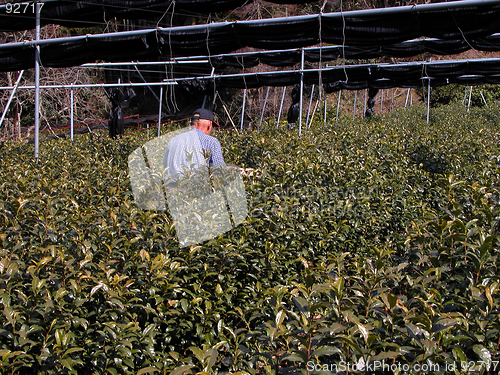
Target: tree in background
[{"x": 55, "y": 103}]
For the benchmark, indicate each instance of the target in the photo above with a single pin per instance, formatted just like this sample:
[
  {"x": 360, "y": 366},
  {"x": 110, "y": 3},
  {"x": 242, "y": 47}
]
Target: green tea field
[{"x": 371, "y": 246}]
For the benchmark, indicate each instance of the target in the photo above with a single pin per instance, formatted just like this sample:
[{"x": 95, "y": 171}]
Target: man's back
[{"x": 184, "y": 152}]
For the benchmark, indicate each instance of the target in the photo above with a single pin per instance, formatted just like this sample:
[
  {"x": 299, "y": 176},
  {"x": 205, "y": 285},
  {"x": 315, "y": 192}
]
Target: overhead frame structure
[
  {"x": 459, "y": 21},
  {"x": 350, "y": 77},
  {"x": 369, "y": 29}
]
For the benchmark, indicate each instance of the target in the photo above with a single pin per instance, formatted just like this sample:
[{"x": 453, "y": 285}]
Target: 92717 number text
[{"x": 21, "y": 8}]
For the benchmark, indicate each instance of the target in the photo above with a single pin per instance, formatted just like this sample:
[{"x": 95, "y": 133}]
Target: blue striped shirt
[{"x": 212, "y": 149}]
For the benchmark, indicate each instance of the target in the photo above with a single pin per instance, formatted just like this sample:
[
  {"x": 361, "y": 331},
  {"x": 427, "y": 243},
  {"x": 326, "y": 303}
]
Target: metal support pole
[
  {"x": 470, "y": 97},
  {"x": 160, "y": 111},
  {"x": 484, "y": 100},
  {"x": 11, "y": 97},
  {"x": 428, "y": 98},
  {"x": 243, "y": 108},
  {"x": 72, "y": 110},
  {"x": 407, "y": 95},
  {"x": 263, "y": 108},
  {"x": 301, "y": 90},
  {"x": 37, "y": 77},
  {"x": 392, "y": 100},
  {"x": 364, "y": 106},
  {"x": 338, "y": 106},
  {"x": 309, "y": 108},
  {"x": 313, "y": 112},
  {"x": 381, "y": 99},
  {"x": 227, "y": 112},
  {"x": 144, "y": 80},
  {"x": 354, "y": 107},
  {"x": 281, "y": 107},
  {"x": 324, "y": 111}
]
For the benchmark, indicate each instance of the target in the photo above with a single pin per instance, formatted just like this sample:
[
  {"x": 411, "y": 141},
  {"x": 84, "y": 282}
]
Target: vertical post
[
  {"x": 407, "y": 95},
  {"x": 243, "y": 108},
  {"x": 310, "y": 103},
  {"x": 381, "y": 99},
  {"x": 392, "y": 99},
  {"x": 72, "y": 110},
  {"x": 338, "y": 106},
  {"x": 281, "y": 107},
  {"x": 364, "y": 106},
  {"x": 324, "y": 110},
  {"x": 263, "y": 108},
  {"x": 11, "y": 97},
  {"x": 354, "y": 107},
  {"x": 37, "y": 77},
  {"x": 160, "y": 111},
  {"x": 215, "y": 98},
  {"x": 301, "y": 90},
  {"x": 482, "y": 96},
  {"x": 428, "y": 98},
  {"x": 470, "y": 97}
]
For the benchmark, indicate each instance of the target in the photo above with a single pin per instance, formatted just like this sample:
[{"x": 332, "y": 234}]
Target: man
[
  {"x": 194, "y": 149},
  {"x": 205, "y": 197}
]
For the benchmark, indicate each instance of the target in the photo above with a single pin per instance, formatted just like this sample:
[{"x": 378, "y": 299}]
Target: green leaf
[
  {"x": 280, "y": 316},
  {"x": 210, "y": 357},
  {"x": 197, "y": 352},
  {"x": 67, "y": 362},
  {"x": 483, "y": 353},
  {"x": 326, "y": 350},
  {"x": 72, "y": 350},
  {"x": 174, "y": 355},
  {"x": 7, "y": 354},
  {"x": 147, "y": 370},
  {"x": 218, "y": 289},
  {"x": 459, "y": 355},
  {"x": 181, "y": 370},
  {"x": 442, "y": 324},
  {"x": 385, "y": 355},
  {"x": 295, "y": 357},
  {"x": 302, "y": 305},
  {"x": 184, "y": 305}
]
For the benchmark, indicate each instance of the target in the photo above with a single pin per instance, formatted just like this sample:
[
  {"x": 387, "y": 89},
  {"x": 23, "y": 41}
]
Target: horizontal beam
[
  {"x": 97, "y": 85},
  {"x": 144, "y": 63},
  {"x": 346, "y": 67}
]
